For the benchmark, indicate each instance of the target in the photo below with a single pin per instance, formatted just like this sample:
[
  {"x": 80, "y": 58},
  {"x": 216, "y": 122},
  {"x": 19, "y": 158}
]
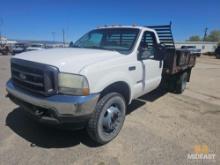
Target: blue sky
[{"x": 27, "y": 19}]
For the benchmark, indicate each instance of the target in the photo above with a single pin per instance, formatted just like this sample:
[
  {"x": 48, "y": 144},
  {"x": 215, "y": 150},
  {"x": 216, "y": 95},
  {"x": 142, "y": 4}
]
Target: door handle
[{"x": 130, "y": 68}]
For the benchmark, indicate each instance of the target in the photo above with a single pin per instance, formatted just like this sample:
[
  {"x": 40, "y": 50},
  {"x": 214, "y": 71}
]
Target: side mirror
[
  {"x": 161, "y": 51},
  {"x": 145, "y": 53},
  {"x": 139, "y": 55},
  {"x": 162, "y": 45}
]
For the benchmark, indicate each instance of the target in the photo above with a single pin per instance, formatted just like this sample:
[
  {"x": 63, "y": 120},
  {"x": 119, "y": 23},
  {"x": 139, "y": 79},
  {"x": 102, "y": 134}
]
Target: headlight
[{"x": 73, "y": 84}]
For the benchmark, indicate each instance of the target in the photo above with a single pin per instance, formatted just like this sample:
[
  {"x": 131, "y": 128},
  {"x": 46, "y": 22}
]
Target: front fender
[{"x": 98, "y": 84}]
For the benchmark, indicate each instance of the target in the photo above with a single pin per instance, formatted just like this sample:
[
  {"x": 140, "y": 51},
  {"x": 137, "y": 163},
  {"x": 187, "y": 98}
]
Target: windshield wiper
[
  {"x": 98, "y": 47},
  {"x": 94, "y": 47}
]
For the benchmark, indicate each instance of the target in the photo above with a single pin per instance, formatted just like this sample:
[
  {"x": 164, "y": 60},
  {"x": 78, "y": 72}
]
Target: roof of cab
[{"x": 120, "y": 26}]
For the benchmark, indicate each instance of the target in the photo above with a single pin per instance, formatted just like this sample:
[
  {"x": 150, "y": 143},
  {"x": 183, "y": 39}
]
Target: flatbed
[{"x": 176, "y": 61}]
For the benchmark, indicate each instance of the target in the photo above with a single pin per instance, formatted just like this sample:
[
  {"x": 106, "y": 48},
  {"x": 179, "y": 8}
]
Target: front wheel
[{"x": 108, "y": 118}]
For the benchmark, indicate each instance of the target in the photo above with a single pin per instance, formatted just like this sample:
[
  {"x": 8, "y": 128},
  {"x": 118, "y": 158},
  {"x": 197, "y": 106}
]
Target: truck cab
[
  {"x": 91, "y": 83},
  {"x": 137, "y": 62}
]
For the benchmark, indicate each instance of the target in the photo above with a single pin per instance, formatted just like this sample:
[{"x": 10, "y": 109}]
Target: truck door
[{"x": 152, "y": 66}]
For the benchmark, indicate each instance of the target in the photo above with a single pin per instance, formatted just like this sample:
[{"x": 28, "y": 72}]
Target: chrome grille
[{"x": 34, "y": 77}]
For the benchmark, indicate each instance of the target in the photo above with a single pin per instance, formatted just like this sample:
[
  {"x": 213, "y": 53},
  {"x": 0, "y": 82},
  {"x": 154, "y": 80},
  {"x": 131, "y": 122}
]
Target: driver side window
[{"x": 148, "y": 45}]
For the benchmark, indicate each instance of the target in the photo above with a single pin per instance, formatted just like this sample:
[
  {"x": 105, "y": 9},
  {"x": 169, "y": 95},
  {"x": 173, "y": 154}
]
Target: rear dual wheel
[
  {"x": 181, "y": 82},
  {"x": 177, "y": 83}
]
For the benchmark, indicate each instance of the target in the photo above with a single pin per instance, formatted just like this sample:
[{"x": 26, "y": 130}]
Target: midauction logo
[{"x": 201, "y": 152}]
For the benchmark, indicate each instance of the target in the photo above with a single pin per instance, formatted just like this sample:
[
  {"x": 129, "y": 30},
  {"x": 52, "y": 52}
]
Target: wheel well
[{"x": 119, "y": 87}]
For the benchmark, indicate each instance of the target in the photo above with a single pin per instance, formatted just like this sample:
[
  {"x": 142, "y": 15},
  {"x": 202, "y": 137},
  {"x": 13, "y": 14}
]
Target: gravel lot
[{"x": 160, "y": 128}]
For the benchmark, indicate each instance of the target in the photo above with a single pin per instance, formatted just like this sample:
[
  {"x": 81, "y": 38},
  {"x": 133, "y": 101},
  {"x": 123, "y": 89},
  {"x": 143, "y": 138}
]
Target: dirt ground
[{"x": 160, "y": 128}]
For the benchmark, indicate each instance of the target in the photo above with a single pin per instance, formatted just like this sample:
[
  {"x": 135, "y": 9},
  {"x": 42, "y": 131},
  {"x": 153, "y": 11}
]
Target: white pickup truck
[{"x": 91, "y": 84}]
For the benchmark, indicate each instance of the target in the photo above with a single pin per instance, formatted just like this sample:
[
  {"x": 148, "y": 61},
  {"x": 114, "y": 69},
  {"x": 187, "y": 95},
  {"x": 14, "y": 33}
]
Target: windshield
[
  {"x": 19, "y": 45},
  {"x": 117, "y": 39},
  {"x": 188, "y": 47},
  {"x": 192, "y": 47},
  {"x": 36, "y": 46}
]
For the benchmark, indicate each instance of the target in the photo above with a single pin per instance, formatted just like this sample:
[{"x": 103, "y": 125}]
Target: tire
[
  {"x": 181, "y": 83},
  {"x": 198, "y": 55},
  {"x": 108, "y": 118}
]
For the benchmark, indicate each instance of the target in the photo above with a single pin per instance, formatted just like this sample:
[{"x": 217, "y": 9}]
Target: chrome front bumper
[{"x": 62, "y": 105}]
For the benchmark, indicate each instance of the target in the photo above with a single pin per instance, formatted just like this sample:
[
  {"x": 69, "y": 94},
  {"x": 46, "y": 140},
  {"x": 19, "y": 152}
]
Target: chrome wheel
[{"x": 111, "y": 119}]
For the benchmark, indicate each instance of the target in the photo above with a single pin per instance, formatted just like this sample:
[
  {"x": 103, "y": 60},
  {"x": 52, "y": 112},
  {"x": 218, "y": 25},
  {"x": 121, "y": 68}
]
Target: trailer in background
[{"x": 206, "y": 47}]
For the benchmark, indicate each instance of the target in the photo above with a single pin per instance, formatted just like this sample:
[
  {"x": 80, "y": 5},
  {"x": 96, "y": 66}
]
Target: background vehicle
[
  {"x": 35, "y": 47},
  {"x": 92, "y": 83},
  {"x": 5, "y": 49},
  {"x": 193, "y": 50},
  {"x": 217, "y": 52},
  {"x": 19, "y": 48}
]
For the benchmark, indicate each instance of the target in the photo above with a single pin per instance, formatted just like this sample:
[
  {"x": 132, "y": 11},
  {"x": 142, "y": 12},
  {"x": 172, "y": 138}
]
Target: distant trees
[
  {"x": 195, "y": 38},
  {"x": 213, "y": 36}
]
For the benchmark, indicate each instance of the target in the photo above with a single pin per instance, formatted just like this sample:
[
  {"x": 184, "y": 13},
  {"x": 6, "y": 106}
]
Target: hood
[{"x": 71, "y": 60}]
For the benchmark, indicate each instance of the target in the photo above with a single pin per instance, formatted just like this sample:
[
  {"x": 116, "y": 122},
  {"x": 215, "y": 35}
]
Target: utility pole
[
  {"x": 205, "y": 34},
  {"x": 63, "y": 37},
  {"x": 0, "y": 36},
  {"x": 53, "y": 36},
  {"x": 1, "y": 24}
]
